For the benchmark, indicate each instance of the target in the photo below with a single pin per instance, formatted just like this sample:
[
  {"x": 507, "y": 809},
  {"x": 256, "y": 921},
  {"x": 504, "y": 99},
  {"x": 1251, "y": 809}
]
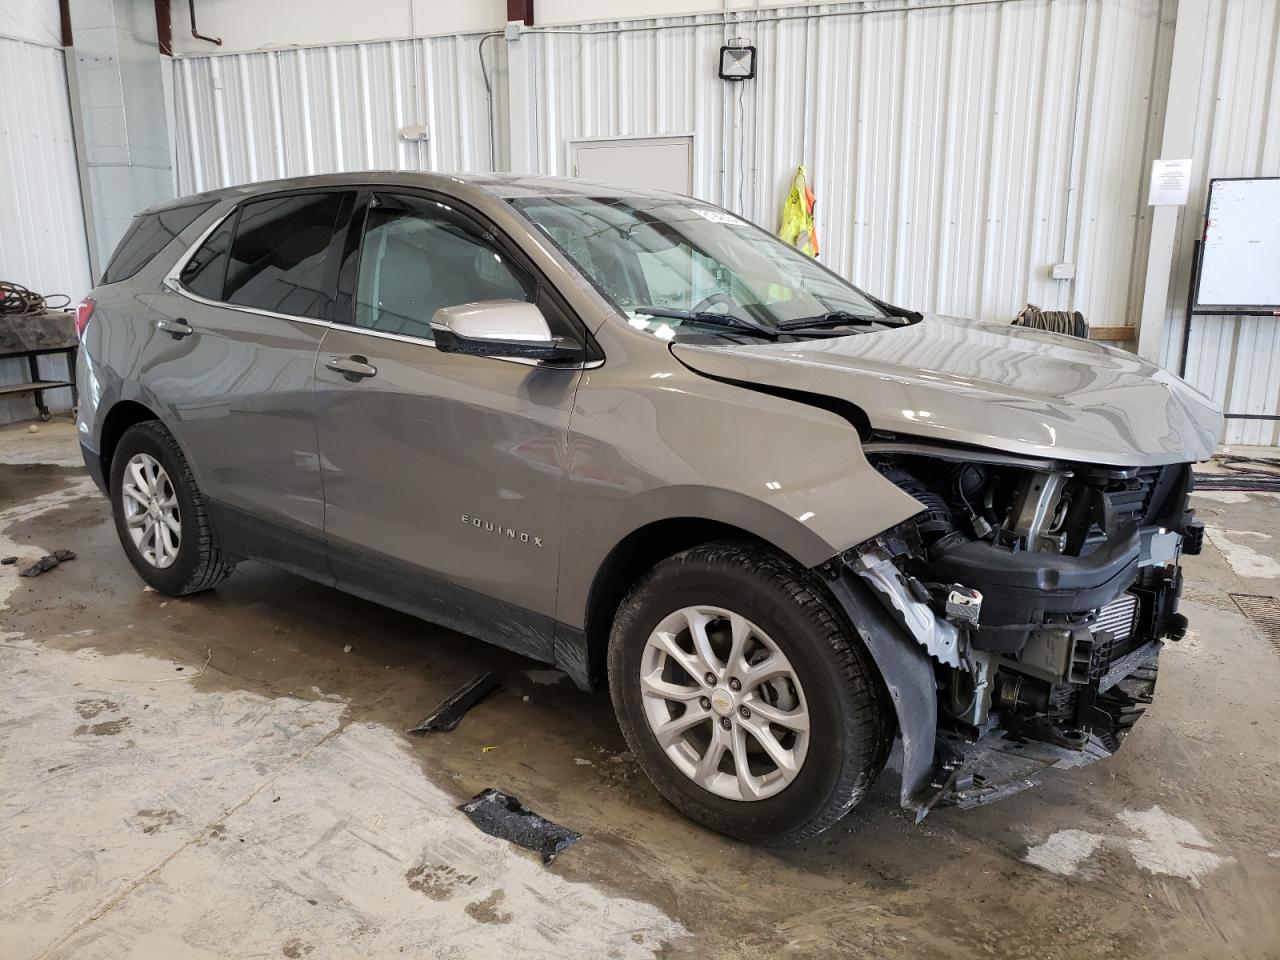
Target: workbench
[{"x": 36, "y": 335}]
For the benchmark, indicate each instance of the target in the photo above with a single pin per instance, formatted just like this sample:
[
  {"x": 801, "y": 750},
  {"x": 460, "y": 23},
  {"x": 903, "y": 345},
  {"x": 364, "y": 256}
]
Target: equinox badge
[{"x": 488, "y": 526}]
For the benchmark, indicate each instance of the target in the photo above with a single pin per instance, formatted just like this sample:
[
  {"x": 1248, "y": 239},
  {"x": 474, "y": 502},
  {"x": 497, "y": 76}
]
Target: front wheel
[
  {"x": 745, "y": 695},
  {"x": 160, "y": 514}
]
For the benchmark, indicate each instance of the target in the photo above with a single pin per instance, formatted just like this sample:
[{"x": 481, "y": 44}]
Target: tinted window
[
  {"x": 278, "y": 258},
  {"x": 419, "y": 256},
  {"x": 204, "y": 273},
  {"x": 147, "y": 236}
]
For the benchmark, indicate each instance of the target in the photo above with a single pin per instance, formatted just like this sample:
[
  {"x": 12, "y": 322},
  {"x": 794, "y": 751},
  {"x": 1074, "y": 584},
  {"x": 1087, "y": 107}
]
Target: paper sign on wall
[{"x": 1170, "y": 183}]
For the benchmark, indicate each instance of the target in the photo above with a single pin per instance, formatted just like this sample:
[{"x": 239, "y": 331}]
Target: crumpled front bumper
[{"x": 943, "y": 768}]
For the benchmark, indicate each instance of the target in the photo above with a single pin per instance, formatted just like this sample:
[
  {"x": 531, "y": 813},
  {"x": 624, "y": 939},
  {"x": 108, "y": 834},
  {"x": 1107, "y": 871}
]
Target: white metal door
[{"x": 658, "y": 163}]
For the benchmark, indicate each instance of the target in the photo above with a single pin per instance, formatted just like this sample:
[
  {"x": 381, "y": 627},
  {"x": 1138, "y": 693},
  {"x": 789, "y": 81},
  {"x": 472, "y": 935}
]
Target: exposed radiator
[
  {"x": 1112, "y": 631},
  {"x": 1116, "y": 618}
]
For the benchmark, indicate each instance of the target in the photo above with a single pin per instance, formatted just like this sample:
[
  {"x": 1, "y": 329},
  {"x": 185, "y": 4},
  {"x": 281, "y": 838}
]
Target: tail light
[{"x": 84, "y": 313}]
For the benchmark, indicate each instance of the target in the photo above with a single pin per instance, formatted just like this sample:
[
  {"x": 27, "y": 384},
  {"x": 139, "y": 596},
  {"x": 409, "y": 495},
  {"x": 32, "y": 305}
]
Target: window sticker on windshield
[{"x": 717, "y": 216}]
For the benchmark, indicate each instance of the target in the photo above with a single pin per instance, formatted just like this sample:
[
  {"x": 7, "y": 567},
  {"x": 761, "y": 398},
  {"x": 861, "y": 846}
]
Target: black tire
[
  {"x": 852, "y": 722},
  {"x": 199, "y": 563}
]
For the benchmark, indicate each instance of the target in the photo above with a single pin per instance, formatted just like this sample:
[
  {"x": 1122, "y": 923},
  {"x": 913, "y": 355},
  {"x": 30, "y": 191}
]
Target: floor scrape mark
[
  {"x": 1064, "y": 851},
  {"x": 1168, "y": 845},
  {"x": 486, "y": 910},
  {"x": 439, "y": 882},
  {"x": 1243, "y": 559},
  {"x": 1171, "y": 846}
]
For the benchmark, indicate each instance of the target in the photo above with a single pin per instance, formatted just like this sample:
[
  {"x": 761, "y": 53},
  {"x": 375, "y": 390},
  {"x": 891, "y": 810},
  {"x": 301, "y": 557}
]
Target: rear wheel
[
  {"x": 745, "y": 695},
  {"x": 160, "y": 515}
]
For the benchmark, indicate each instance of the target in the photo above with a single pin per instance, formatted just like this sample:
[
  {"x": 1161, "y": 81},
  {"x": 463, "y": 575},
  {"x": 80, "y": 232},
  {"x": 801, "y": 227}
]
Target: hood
[{"x": 992, "y": 385}]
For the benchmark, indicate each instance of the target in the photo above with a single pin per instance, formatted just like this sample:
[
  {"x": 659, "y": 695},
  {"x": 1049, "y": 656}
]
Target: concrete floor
[{"x": 272, "y": 806}]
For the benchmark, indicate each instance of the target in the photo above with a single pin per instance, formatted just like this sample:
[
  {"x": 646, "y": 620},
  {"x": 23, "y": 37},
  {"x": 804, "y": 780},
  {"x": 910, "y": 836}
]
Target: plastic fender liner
[{"x": 908, "y": 674}]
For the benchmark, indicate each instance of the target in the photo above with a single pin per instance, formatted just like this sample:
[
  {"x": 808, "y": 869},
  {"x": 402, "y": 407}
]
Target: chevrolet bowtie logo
[{"x": 488, "y": 526}]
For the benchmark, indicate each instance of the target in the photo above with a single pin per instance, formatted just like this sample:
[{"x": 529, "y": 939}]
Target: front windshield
[{"x": 677, "y": 268}]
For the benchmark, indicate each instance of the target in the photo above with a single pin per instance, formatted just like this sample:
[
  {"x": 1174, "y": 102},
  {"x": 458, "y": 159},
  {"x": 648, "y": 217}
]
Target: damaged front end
[{"x": 1041, "y": 593}]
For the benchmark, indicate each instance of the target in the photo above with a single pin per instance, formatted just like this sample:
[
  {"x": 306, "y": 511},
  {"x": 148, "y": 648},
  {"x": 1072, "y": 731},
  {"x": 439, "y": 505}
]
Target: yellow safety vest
[{"x": 797, "y": 216}]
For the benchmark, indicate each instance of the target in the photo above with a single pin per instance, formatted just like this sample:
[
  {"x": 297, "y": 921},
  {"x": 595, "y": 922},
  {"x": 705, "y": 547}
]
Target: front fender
[
  {"x": 908, "y": 675},
  {"x": 651, "y": 440}
]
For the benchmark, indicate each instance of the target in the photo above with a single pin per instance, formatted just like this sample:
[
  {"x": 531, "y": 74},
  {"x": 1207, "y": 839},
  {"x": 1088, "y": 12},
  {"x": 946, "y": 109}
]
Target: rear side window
[
  {"x": 147, "y": 236},
  {"x": 279, "y": 255}
]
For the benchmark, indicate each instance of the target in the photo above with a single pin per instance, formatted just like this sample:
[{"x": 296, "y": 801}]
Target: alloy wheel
[
  {"x": 151, "y": 511},
  {"x": 724, "y": 703}
]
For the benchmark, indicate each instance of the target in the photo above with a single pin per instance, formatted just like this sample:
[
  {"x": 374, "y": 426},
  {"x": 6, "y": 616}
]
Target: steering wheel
[{"x": 711, "y": 301}]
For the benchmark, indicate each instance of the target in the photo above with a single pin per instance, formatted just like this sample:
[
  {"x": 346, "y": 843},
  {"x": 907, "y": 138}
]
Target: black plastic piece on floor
[
  {"x": 449, "y": 714},
  {"x": 43, "y": 565},
  {"x": 8, "y": 560},
  {"x": 501, "y": 815}
]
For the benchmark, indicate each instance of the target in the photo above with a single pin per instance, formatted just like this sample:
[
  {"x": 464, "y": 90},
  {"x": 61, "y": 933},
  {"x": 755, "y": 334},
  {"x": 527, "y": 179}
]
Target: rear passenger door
[
  {"x": 233, "y": 360},
  {"x": 443, "y": 473}
]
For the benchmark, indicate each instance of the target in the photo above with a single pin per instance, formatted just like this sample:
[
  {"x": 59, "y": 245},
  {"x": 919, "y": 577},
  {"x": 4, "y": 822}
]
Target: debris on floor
[
  {"x": 46, "y": 563},
  {"x": 501, "y": 815},
  {"x": 6, "y": 561},
  {"x": 449, "y": 713}
]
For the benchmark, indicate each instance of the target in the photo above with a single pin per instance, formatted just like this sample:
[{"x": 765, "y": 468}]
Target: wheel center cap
[{"x": 722, "y": 702}]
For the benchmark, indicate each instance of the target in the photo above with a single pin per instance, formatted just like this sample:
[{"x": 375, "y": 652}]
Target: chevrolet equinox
[{"x": 627, "y": 433}]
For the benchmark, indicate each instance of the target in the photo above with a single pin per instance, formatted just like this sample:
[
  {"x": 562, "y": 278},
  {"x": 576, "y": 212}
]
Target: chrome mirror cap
[
  {"x": 509, "y": 329},
  {"x": 504, "y": 320}
]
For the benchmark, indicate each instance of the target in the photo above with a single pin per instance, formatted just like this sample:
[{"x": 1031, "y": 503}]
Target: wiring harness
[{"x": 17, "y": 301}]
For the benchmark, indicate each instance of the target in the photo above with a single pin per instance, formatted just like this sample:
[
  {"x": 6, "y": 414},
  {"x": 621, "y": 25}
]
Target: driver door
[{"x": 443, "y": 473}]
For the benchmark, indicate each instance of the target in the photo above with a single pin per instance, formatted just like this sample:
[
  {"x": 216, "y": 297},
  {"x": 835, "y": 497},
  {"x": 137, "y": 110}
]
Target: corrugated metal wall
[
  {"x": 957, "y": 151},
  {"x": 260, "y": 116},
  {"x": 42, "y": 236},
  {"x": 1236, "y": 360}
]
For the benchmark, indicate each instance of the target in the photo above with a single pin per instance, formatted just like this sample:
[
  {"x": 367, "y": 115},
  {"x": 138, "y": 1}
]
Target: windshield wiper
[
  {"x": 836, "y": 318},
  {"x": 711, "y": 319}
]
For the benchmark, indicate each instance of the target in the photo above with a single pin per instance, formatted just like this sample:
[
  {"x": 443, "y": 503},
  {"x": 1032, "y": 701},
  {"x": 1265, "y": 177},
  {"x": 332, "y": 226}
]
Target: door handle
[
  {"x": 353, "y": 368},
  {"x": 178, "y": 328}
]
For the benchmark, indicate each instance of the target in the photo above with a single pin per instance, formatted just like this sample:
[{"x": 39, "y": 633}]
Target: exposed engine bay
[{"x": 1043, "y": 592}]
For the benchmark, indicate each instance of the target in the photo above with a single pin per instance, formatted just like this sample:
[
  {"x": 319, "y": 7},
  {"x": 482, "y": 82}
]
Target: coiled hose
[
  {"x": 17, "y": 301},
  {"x": 1055, "y": 321}
]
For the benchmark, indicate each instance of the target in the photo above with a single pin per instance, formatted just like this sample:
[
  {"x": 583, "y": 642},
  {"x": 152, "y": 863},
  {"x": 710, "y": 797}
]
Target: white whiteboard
[
  {"x": 657, "y": 163},
  {"x": 1240, "y": 260}
]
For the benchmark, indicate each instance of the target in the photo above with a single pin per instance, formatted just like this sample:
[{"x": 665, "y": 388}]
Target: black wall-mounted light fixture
[{"x": 737, "y": 62}]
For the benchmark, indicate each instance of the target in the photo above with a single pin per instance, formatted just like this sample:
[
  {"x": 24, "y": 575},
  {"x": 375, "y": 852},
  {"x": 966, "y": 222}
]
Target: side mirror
[{"x": 508, "y": 329}]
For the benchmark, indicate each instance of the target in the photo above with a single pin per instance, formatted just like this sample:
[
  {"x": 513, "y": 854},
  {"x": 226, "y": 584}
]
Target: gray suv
[{"x": 631, "y": 435}]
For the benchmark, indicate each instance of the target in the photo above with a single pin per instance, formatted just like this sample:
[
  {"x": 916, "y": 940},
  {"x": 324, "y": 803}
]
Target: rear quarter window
[
  {"x": 280, "y": 253},
  {"x": 147, "y": 236}
]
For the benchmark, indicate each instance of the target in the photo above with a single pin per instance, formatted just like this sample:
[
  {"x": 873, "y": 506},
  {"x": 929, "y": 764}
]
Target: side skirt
[
  {"x": 412, "y": 590},
  {"x": 400, "y": 586}
]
